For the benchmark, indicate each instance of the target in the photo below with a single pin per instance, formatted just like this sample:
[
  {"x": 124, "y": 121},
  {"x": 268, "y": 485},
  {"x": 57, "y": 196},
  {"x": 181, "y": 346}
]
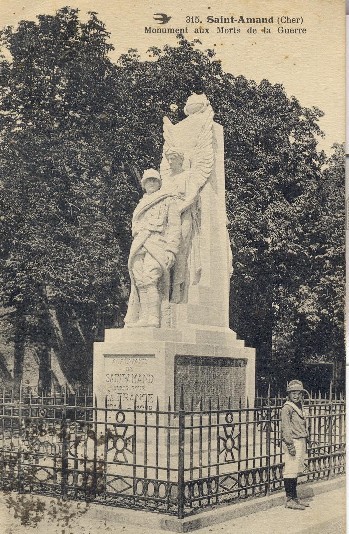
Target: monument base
[{"x": 140, "y": 366}]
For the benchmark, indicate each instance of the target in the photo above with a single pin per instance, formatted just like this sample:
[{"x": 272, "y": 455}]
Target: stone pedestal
[{"x": 149, "y": 364}]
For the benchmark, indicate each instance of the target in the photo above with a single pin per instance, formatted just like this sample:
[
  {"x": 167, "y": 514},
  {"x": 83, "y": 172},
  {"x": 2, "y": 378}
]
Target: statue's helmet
[{"x": 150, "y": 173}]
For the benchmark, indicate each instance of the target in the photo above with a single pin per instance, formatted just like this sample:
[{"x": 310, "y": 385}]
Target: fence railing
[{"x": 172, "y": 461}]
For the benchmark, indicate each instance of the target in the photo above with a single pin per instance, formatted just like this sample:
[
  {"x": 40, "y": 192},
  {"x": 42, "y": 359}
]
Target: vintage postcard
[{"x": 172, "y": 264}]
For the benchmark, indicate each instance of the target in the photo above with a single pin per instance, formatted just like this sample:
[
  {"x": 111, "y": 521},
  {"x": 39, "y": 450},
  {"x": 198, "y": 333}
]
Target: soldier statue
[{"x": 156, "y": 232}]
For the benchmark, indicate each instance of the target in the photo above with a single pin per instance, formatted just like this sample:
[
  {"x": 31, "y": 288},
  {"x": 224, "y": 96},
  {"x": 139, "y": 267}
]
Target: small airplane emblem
[{"x": 161, "y": 18}]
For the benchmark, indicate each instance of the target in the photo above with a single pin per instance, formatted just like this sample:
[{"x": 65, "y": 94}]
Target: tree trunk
[
  {"x": 19, "y": 345},
  {"x": 44, "y": 369}
]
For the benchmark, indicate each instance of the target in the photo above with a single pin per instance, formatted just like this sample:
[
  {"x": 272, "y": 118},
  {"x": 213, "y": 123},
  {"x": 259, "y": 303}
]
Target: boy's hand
[{"x": 291, "y": 450}]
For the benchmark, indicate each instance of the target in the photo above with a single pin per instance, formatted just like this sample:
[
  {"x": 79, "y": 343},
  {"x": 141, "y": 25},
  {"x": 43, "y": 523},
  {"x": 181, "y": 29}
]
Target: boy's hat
[
  {"x": 150, "y": 173},
  {"x": 295, "y": 385}
]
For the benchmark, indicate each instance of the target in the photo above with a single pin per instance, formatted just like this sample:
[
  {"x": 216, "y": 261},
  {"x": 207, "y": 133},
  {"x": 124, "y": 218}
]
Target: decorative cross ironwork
[
  {"x": 121, "y": 443},
  {"x": 227, "y": 442}
]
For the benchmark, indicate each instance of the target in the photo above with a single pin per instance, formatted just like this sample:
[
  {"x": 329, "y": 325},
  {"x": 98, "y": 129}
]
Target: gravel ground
[{"x": 26, "y": 514}]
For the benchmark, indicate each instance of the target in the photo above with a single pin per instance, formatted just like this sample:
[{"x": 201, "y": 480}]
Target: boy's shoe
[
  {"x": 306, "y": 504},
  {"x": 294, "y": 505}
]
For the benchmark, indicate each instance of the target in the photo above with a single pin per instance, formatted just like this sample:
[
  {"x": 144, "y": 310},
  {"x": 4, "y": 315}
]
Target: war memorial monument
[{"x": 176, "y": 336}]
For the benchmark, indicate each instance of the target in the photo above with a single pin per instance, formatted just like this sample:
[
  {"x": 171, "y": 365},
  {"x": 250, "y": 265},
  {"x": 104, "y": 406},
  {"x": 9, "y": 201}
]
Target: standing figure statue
[
  {"x": 186, "y": 167},
  {"x": 156, "y": 232},
  {"x": 190, "y": 226},
  {"x": 178, "y": 222}
]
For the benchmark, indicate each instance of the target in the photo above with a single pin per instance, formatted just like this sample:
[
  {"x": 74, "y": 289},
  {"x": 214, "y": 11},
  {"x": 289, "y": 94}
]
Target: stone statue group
[{"x": 165, "y": 253}]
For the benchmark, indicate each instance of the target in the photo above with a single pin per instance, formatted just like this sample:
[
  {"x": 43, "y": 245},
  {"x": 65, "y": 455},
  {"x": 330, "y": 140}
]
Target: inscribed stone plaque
[
  {"x": 203, "y": 378},
  {"x": 130, "y": 378}
]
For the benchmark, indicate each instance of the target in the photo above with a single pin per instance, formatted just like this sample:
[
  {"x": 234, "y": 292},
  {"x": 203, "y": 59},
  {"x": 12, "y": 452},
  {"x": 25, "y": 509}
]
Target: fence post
[
  {"x": 95, "y": 480},
  {"x": 181, "y": 437},
  {"x": 268, "y": 438},
  {"x": 20, "y": 430},
  {"x": 64, "y": 480},
  {"x": 106, "y": 442},
  {"x": 330, "y": 437}
]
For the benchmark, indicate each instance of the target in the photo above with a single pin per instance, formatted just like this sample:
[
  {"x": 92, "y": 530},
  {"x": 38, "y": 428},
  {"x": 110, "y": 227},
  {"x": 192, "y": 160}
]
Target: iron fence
[{"x": 166, "y": 460}]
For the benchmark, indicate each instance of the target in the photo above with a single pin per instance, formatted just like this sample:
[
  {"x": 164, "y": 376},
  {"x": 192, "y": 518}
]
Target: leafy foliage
[{"x": 77, "y": 132}]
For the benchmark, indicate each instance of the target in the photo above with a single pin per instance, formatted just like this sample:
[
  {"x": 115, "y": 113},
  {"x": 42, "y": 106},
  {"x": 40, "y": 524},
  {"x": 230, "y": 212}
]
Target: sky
[{"x": 310, "y": 65}]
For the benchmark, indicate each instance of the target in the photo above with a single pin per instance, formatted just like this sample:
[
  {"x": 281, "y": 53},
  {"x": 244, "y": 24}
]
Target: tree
[
  {"x": 62, "y": 263},
  {"x": 324, "y": 306},
  {"x": 274, "y": 176},
  {"x": 78, "y": 131}
]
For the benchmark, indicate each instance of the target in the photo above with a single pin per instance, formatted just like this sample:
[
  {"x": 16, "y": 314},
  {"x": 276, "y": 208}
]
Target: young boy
[{"x": 294, "y": 437}]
